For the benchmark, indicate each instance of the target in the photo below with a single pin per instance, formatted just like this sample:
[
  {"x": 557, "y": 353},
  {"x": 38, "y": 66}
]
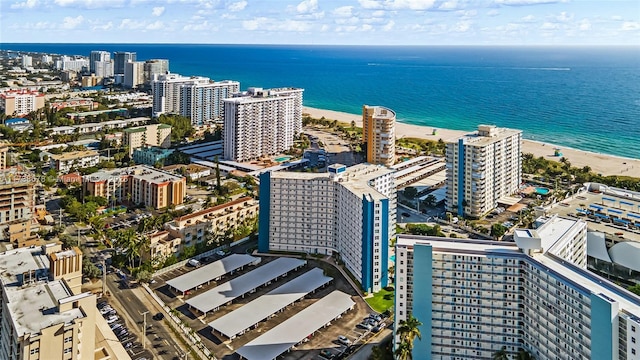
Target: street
[{"x": 160, "y": 340}]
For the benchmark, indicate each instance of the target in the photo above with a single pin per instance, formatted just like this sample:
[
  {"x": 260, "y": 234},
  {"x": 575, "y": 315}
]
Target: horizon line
[{"x": 306, "y": 44}]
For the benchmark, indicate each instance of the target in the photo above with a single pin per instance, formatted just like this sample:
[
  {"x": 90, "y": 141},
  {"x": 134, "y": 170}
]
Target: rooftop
[
  {"x": 381, "y": 112},
  {"x": 35, "y": 307},
  {"x": 488, "y": 134},
  {"x": 214, "y": 208},
  {"x": 15, "y": 263},
  {"x": 74, "y": 155},
  {"x": 210, "y": 272},
  {"x": 142, "y": 172}
]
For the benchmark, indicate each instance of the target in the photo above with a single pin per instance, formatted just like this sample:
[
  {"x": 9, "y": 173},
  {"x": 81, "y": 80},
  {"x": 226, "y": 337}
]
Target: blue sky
[{"x": 367, "y": 22}]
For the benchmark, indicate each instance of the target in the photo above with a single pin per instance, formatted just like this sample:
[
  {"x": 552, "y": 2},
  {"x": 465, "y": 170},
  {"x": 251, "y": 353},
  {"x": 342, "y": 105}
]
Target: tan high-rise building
[
  {"x": 17, "y": 202},
  {"x": 44, "y": 314},
  {"x": 378, "y": 131},
  {"x": 4, "y": 149},
  {"x": 153, "y": 135},
  {"x": 20, "y": 102}
]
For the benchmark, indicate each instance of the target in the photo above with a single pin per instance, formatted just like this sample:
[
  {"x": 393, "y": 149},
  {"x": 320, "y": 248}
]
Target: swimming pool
[
  {"x": 542, "y": 191},
  {"x": 282, "y": 158},
  {"x": 392, "y": 258}
]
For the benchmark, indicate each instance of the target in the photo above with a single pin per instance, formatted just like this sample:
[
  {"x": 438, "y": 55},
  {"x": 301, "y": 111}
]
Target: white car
[
  {"x": 343, "y": 340},
  {"x": 112, "y": 319}
]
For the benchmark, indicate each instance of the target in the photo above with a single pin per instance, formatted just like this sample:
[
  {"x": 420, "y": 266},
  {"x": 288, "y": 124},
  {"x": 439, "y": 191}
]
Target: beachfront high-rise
[
  {"x": 378, "y": 132},
  {"x": 197, "y": 98},
  {"x": 155, "y": 67},
  {"x": 133, "y": 74},
  {"x": 98, "y": 56},
  {"x": 482, "y": 168},
  {"x": 261, "y": 122},
  {"x": 474, "y": 297},
  {"x": 348, "y": 212},
  {"x": 120, "y": 58}
]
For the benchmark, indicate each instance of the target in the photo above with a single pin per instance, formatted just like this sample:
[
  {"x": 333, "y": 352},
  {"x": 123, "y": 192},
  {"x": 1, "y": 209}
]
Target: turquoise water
[
  {"x": 542, "y": 191},
  {"x": 585, "y": 98},
  {"x": 392, "y": 258},
  {"x": 282, "y": 158}
]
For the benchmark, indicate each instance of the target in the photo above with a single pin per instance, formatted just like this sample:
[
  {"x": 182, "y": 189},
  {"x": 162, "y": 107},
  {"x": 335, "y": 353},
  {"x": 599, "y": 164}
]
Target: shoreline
[{"x": 598, "y": 162}]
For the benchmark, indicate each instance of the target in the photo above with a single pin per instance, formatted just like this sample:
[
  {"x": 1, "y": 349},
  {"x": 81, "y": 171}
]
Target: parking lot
[
  {"x": 324, "y": 339},
  {"x": 122, "y": 330}
]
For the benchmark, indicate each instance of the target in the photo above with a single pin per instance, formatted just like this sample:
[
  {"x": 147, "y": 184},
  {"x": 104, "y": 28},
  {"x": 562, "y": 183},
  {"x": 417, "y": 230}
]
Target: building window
[
  {"x": 68, "y": 350},
  {"x": 34, "y": 351}
]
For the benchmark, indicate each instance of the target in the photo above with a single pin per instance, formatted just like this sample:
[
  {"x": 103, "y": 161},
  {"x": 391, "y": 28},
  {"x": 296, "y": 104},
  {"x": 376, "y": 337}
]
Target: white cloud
[
  {"x": 28, "y": 4},
  {"x": 630, "y": 25},
  {"x": 157, "y": 11},
  {"x": 449, "y": 5},
  {"x": 343, "y": 11},
  {"x": 389, "y": 26},
  {"x": 467, "y": 14},
  {"x": 528, "y": 18},
  {"x": 370, "y": 4},
  {"x": 549, "y": 26},
  {"x": 526, "y": 2},
  {"x": 72, "y": 22},
  {"x": 366, "y": 27},
  {"x": 564, "y": 17},
  {"x": 584, "y": 24},
  {"x": 325, "y": 28},
  {"x": 378, "y": 13},
  {"x": 107, "y": 26},
  {"x": 617, "y": 18},
  {"x": 307, "y": 6},
  {"x": 410, "y": 4},
  {"x": 493, "y": 12},
  {"x": 90, "y": 4},
  {"x": 269, "y": 24},
  {"x": 155, "y": 26},
  {"x": 130, "y": 24},
  {"x": 462, "y": 26},
  {"x": 237, "y": 6}
]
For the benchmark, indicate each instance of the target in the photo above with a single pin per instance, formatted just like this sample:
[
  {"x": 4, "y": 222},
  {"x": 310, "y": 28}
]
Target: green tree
[
  {"x": 497, "y": 230},
  {"x": 89, "y": 269},
  {"x": 403, "y": 351},
  {"x": 501, "y": 354},
  {"x": 218, "y": 182},
  {"x": 524, "y": 355},
  {"x": 635, "y": 289},
  {"x": 410, "y": 192}
]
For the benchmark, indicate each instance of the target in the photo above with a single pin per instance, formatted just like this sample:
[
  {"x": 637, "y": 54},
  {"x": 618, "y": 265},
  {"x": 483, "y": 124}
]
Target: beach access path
[{"x": 599, "y": 163}]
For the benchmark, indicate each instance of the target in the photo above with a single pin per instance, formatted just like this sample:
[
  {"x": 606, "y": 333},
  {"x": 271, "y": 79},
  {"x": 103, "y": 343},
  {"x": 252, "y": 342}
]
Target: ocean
[{"x": 579, "y": 97}]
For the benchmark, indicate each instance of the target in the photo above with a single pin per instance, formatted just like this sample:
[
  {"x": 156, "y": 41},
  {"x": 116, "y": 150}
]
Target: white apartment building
[
  {"x": 378, "y": 131},
  {"x": 203, "y": 102},
  {"x": 104, "y": 69},
  {"x": 195, "y": 97},
  {"x": 133, "y": 74},
  {"x": 97, "y": 56},
  {"x": 63, "y": 163},
  {"x": 77, "y": 65},
  {"x": 475, "y": 296},
  {"x": 152, "y": 135},
  {"x": 261, "y": 123},
  {"x": 27, "y": 61},
  {"x": 482, "y": 168},
  {"x": 347, "y": 212},
  {"x": 154, "y": 68}
]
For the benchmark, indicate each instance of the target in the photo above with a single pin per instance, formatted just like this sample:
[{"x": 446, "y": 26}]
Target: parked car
[
  {"x": 193, "y": 262},
  {"x": 379, "y": 327},
  {"x": 158, "y": 316},
  {"x": 326, "y": 354},
  {"x": 365, "y": 325},
  {"x": 112, "y": 319},
  {"x": 343, "y": 340}
]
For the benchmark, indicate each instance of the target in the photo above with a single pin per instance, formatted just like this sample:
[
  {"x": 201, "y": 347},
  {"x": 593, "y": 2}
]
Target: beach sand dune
[{"x": 599, "y": 163}]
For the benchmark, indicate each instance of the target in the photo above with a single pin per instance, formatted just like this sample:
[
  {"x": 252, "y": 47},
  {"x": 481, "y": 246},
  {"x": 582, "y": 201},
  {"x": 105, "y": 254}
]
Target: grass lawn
[{"x": 381, "y": 301}]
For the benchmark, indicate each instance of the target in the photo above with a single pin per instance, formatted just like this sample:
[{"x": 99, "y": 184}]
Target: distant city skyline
[{"x": 345, "y": 22}]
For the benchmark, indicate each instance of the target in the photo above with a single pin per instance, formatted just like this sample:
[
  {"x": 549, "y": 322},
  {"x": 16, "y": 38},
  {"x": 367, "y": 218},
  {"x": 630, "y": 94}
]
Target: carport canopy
[
  {"x": 277, "y": 299},
  {"x": 241, "y": 285},
  {"x": 204, "y": 274},
  {"x": 295, "y": 329}
]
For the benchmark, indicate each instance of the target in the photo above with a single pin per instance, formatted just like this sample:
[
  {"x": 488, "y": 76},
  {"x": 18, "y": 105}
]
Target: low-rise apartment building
[
  {"x": 63, "y": 163},
  {"x": 138, "y": 184},
  {"x": 150, "y": 155},
  {"x": 203, "y": 225},
  {"x": 85, "y": 103},
  {"x": 152, "y": 135}
]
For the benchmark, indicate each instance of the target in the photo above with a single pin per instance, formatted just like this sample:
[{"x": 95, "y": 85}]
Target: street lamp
[{"x": 144, "y": 329}]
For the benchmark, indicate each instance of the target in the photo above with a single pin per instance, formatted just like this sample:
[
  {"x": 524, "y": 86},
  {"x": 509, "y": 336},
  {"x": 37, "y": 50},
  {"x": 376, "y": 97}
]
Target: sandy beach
[{"x": 599, "y": 163}]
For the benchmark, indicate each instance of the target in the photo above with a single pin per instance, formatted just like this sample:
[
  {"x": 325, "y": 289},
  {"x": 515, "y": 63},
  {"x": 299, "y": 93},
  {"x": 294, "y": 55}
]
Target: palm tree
[
  {"x": 524, "y": 355},
  {"x": 403, "y": 351},
  {"x": 501, "y": 354},
  {"x": 128, "y": 241},
  {"x": 408, "y": 330}
]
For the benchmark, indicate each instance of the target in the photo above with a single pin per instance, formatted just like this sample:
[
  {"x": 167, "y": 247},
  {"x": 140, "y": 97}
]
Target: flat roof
[
  {"x": 74, "y": 155},
  {"x": 295, "y": 329},
  {"x": 35, "y": 307},
  {"x": 211, "y": 164},
  {"x": 210, "y": 272},
  {"x": 19, "y": 261},
  {"x": 277, "y": 299},
  {"x": 217, "y": 143},
  {"x": 239, "y": 286}
]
